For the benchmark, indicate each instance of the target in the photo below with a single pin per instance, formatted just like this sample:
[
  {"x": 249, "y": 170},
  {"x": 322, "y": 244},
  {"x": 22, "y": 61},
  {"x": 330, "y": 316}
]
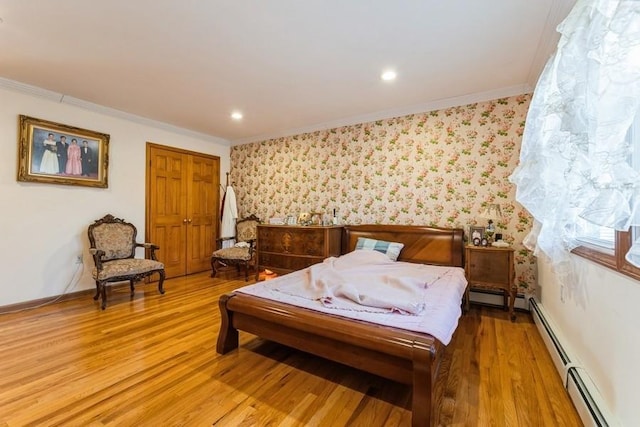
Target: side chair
[
  {"x": 113, "y": 245},
  {"x": 241, "y": 254}
]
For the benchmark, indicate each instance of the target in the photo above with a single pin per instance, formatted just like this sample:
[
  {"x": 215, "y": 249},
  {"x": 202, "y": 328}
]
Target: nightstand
[{"x": 491, "y": 268}]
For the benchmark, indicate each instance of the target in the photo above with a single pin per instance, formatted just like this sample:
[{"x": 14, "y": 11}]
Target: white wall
[
  {"x": 43, "y": 227},
  {"x": 599, "y": 318}
]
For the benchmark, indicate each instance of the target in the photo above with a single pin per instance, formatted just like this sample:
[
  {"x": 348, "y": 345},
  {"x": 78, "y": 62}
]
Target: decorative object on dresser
[
  {"x": 284, "y": 248},
  {"x": 242, "y": 252},
  {"x": 396, "y": 353},
  {"x": 113, "y": 246},
  {"x": 492, "y": 268},
  {"x": 310, "y": 218}
]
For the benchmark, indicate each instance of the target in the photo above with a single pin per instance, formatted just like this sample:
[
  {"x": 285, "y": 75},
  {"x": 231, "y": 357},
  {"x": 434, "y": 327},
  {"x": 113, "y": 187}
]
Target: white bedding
[
  {"x": 440, "y": 296},
  {"x": 363, "y": 280}
]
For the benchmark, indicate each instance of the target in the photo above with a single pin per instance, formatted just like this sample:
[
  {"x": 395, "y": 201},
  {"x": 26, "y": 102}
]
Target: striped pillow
[{"x": 390, "y": 249}]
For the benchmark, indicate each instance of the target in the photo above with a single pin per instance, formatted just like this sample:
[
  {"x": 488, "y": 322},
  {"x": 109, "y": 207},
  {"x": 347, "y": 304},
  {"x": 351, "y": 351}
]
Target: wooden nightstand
[{"x": 491, "y": 268}]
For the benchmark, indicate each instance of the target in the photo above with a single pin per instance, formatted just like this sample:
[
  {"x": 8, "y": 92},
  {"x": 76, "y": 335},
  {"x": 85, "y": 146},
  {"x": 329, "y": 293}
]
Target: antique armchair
[
  {"x": 113, "y": 246},
  {"x": 242, "y": 252}
]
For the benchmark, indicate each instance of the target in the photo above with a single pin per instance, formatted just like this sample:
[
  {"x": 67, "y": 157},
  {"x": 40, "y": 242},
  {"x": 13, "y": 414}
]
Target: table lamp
[{"x": 491, "y": 211}]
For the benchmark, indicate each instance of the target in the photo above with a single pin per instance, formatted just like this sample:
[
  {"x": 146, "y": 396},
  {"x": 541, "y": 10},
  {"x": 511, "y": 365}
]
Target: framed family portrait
[
  {"x": 476, "y": 234},
  {"x": 55, "y": 153}
]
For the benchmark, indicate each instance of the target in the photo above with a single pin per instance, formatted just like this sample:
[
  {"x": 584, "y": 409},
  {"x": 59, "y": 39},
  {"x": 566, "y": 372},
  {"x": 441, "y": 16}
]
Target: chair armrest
[
  {"x": 252, "y": 244},
  {"x": 147, "y": 246},
  {"x": 97, "y": 257},
  {"x": 152, "y": 249}
]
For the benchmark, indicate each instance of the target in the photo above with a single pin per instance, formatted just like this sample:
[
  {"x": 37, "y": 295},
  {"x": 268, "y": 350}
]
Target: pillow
[{"x": 390, "y": 249}]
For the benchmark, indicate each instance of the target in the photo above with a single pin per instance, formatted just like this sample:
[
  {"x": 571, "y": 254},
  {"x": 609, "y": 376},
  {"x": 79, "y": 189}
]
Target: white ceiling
[{"x": 290, "y": 66}]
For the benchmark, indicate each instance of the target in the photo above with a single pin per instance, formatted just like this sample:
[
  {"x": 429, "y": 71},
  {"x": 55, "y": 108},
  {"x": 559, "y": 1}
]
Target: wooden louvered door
[{"x": 182, "y": 207}]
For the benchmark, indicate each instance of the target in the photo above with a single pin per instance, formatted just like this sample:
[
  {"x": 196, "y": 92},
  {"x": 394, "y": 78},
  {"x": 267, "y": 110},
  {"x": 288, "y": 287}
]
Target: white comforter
[
  {"x": 364, "y": 281},
  {"x": 386, "y": 288}
]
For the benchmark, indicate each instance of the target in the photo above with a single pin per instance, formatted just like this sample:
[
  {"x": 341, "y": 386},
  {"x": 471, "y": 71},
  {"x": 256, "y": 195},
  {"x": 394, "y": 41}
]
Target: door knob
[
  {"x": 184, "y": 221},
  {"x": 189, "y": 220}
]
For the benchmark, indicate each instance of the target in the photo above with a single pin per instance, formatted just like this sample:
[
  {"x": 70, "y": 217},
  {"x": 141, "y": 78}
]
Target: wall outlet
[{"x": 79, "y": 259}]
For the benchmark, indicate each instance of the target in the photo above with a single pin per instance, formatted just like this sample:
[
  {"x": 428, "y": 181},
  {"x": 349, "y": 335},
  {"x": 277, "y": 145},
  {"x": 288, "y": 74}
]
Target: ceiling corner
[{"x": 558, "y": 10}]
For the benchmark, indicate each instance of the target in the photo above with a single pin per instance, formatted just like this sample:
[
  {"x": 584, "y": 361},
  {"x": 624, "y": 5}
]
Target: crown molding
[
  {"x": 396, "y": 112},
  {"x": 30, "y": 90},
  {"x": 96, "y": 108}
]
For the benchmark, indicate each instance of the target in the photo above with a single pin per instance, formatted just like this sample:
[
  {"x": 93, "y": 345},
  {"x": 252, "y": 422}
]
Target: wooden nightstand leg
[
  {"x": 467, "y": 299},
  {"x": 512, "y": 301}
]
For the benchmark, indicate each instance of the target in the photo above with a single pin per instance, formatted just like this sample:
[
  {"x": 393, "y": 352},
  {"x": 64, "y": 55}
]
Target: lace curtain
[{"x": 575, "y": 153}]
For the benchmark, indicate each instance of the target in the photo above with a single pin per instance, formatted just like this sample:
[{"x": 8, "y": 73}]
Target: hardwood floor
[{"x": 152, "y": 362}]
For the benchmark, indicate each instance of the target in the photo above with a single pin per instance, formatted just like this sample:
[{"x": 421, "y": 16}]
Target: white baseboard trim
[
  {"x": 495, "y": 299},
  {"x": 583, "y": 392}
]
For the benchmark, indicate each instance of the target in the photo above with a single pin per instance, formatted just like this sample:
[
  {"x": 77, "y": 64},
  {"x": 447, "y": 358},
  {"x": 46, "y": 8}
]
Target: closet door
[
  {"x": 167, "y": 207},
  {"x": 182, "y": 207},
  {"x": 202, "y": 211}
]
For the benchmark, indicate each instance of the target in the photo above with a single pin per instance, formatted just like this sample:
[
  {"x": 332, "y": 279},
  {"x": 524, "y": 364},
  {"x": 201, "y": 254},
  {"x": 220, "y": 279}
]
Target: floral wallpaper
[{"x": 437, "y": 168}]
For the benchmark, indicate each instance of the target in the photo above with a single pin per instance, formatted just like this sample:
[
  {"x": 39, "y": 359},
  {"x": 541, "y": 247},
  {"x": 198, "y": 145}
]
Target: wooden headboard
[{"x": 427, "y": 245}]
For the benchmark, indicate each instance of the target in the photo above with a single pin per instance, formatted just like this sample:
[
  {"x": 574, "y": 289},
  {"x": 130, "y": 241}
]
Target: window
[
  {"x": 597, "y": 237},
  {"x": 605, "y": 245}
]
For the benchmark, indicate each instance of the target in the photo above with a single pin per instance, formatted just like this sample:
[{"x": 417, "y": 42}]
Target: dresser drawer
[
  {"x": 302, "y": 241},
  {"x": 288, "y": 262},
  {"x": 285, "y": 248}
]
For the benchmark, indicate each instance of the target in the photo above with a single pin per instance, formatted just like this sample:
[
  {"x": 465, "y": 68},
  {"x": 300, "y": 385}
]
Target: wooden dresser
[{"x": 286, "y": 248}]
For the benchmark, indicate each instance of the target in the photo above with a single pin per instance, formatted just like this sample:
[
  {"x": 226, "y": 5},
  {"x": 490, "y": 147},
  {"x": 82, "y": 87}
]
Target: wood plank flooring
[{"x": 151, "y": 361}]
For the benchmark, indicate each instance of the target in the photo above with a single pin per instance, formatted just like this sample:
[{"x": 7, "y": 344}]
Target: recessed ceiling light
[
  {"x": 388, "y": 75},
  {"x": 236, "y": 115}
]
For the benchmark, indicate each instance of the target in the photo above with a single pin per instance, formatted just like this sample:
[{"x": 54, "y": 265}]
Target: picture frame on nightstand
[{"x": 476, "y": 232}]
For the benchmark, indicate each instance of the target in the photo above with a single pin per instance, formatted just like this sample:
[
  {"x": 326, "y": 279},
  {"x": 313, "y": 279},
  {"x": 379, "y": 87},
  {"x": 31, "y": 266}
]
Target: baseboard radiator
[{"x": 579, "y": 385}]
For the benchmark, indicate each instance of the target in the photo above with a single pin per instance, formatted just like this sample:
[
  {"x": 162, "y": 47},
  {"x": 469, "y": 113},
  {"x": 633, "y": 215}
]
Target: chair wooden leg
[
  {"x": 213, "y": 267},
  {"x": 103, "y": 292},
  {"x": 246, "y": 271},
  {"x": 97, "y": 295},
  {"x": 161, "y": 282},
  {"x": 132, "y": 287}
]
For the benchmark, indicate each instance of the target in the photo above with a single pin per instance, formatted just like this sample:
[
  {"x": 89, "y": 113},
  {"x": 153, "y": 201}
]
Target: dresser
[
  {"x": 491, "y": 268},
  {"x": 286, "y": 248}
]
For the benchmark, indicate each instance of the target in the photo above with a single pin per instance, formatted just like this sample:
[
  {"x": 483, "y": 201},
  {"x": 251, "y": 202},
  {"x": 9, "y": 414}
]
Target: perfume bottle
[{"x": 335, "y": 217}]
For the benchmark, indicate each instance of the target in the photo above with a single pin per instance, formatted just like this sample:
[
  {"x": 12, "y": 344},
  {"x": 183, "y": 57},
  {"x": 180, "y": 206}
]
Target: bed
[{"x": 401, "y": 355}]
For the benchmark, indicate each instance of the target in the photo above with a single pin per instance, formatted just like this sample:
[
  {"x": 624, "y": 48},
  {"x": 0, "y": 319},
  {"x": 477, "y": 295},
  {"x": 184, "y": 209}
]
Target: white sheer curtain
[{"x": 575, "y": 151}]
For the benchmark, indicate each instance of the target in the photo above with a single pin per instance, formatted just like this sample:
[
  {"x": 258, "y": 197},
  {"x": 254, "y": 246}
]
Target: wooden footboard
[{"x": 400, "y": 355}]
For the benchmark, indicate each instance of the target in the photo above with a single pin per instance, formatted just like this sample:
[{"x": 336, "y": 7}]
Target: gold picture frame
[{"x": 45, "y": 154}]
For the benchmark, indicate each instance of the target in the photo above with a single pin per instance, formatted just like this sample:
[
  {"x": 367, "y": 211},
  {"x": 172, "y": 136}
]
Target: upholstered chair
[
  {"x": 113, "y": 245},
  {"x": 242, "y": 253}
]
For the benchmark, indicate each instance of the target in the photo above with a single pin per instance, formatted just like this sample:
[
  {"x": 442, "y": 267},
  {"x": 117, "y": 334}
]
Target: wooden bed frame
[{"x": 404, "y": 356}]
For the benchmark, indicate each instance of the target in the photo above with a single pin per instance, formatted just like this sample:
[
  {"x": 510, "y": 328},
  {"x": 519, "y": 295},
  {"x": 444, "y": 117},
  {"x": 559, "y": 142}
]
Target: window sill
[
  {"x": 596, "y": 256},
  {"x": 615, "y": 262}
]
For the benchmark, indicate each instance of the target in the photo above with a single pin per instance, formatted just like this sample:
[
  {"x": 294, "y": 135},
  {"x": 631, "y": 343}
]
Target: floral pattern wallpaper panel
[{"x": 438, "y": 168}]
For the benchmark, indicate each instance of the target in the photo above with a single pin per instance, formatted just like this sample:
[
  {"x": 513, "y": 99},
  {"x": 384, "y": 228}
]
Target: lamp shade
[{"x": 491, "y": 211}]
